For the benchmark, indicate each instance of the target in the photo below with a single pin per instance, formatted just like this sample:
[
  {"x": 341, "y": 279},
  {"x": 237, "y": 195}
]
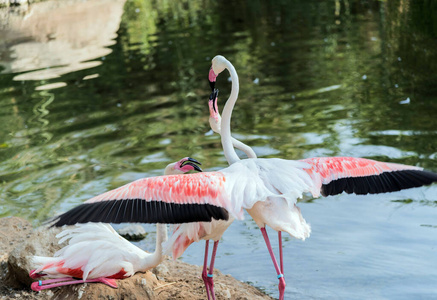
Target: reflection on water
[
  {"x": 94, "y": 94},
  {"x": 53, "y": 39}
]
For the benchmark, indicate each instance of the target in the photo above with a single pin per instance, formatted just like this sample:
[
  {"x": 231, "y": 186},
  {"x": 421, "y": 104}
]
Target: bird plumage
[
  {"x": 174, "y": 199},
  {"x": 97, "y": 253},
  {"x": 95, "y": 250}
]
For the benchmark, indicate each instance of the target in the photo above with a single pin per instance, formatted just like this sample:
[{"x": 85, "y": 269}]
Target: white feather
[{"x": 98, "y": 250}]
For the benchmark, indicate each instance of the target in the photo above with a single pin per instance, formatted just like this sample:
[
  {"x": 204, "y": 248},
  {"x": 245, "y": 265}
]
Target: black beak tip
[
  {"x": 214, "y": 94},
  {"x": 194, "y": 160},
  {"x": 197, "y": 168},
  {"x": 212, "y": 85}
]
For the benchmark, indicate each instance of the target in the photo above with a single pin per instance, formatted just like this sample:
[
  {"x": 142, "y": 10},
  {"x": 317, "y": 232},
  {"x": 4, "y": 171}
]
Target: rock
[
  {"x": 133, "y": 232},
  {"x": 160, "y": 270},
  {"x": 12, "y": 2},
  {"x": 41, "y": 241},
  {"x": 13, "y": 231},
  {"x": 222, "y": 290}
]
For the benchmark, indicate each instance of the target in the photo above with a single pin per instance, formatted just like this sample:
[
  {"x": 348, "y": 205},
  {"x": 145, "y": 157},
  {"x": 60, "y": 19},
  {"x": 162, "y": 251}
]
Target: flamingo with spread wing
[{"x": 267, "y": 188}]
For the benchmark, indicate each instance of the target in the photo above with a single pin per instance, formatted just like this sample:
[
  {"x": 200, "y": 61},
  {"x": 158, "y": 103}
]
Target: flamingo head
[
  {"x": 214, "y": 115},
  {"x": 185, "y": 165},
  {"x": 218, "y": 65}
]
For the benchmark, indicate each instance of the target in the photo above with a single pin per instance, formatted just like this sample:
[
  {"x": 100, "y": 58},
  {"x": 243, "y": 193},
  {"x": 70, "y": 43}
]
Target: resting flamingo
[
  {"x": 97, "y": 253},
  {"x": 246, "y": 184},
  {"x": 187, "y": 233}
]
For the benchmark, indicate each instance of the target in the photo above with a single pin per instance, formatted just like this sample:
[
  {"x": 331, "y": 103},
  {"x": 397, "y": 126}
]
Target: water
[{"x": 119, "y": 90}]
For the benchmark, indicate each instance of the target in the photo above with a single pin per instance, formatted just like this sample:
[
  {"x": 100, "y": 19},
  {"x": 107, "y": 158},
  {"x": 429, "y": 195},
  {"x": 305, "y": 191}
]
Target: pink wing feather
[
  {"x": 333, "y": 175},
  {"x": 161, "y": 199},
  {"x": 197, "y": 188}
]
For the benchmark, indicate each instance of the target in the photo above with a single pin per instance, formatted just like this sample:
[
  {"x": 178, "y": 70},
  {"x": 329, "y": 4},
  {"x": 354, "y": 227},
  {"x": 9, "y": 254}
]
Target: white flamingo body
[
  {"x": 289, "y": 220},
  {"x": 96, "y": 250}
]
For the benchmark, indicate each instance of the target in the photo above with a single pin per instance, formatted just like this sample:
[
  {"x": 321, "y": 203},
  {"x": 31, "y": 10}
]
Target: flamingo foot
[
  {"x": 56, "y": 282},
  {"x": 209, "y": 285},
  {"x": 208, "y": 277},
  {"x": 281, "y": 287},
  {"x": 112, "y": 282},
  {"x": 278, "y": 269}
]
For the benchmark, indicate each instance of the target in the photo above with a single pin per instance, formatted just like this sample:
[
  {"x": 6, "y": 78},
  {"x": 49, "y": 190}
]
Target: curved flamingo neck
[
  {"x": 226, "y": 138},
  {"x": 161, "y": 236},
  {"x": 151, "y": 260},
  {"x": 243, "y": 147}
]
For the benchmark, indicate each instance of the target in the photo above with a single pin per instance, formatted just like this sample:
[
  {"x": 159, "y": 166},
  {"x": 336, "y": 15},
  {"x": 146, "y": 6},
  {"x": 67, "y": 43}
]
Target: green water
[{"x": 317, "y": 78}]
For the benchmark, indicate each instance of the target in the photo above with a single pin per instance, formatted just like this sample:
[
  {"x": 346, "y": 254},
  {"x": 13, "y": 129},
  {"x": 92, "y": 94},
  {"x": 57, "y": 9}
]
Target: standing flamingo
[
  {"x": 331, "y": 176},
  {"x": 187, "y": 233},
  {"x": 215, "y": 123},
  {"x": 97, "y": 253},
  {"x": 257, "y": 185},
  {"x": 275, "y": 212}
]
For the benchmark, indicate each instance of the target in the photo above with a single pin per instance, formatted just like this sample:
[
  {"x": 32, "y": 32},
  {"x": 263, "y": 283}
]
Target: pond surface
[{"x": 97, "y": 94}]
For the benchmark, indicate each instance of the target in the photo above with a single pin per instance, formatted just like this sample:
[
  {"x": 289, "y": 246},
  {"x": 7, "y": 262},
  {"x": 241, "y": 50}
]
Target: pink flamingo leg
[
  {"x": 281, "y": 257},
  {"x": 56, "y": 282},
  {"x": 204, "y": 272},
  {"x": 211, "y": 270},
  {"x": 281, "y": 285}
]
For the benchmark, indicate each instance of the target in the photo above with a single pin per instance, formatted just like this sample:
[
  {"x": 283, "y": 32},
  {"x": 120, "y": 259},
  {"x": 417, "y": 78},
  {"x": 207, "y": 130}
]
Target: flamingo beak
[
  {"x": 213, "y": 99},
  {"x": 192, "y": 162},
  {"x": 212, "y": 78}
]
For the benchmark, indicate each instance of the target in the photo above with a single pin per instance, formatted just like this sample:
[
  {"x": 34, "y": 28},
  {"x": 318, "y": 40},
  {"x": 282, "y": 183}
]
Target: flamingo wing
[
  {"x": 94, "y": 250},
  {"x": 162, "y": 199},
  {"x": 334, "y": 175}
]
